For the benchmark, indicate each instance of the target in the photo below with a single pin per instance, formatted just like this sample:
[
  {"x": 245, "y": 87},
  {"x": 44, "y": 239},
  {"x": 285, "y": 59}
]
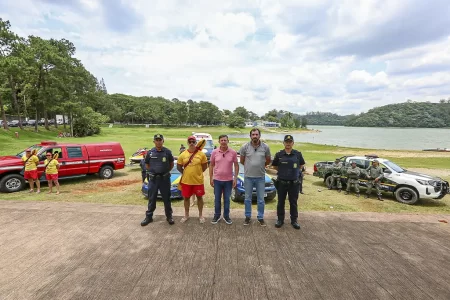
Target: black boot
[
  {"x": 279, "y": 223},
  {"x": 295, "y": 224},
  {"x": 146, "y": 221},
  {"x": 170, "y": 220}
]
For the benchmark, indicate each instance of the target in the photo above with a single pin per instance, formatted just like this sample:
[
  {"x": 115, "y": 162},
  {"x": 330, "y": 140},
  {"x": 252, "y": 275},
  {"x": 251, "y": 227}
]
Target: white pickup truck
[{"x": 408, "y": 187}]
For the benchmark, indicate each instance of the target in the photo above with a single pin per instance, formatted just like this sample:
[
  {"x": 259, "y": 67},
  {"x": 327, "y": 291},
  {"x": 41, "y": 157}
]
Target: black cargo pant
[
  {"x": 287, "y": 188},
  {"x": 163, "y": 185}
]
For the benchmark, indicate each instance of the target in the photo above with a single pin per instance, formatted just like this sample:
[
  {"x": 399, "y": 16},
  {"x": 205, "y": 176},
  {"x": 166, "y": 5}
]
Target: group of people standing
[
  {"x": 51, "y": 167},
  {"x": 223, "y": 171},
  {"x": 374, "y": 175}
]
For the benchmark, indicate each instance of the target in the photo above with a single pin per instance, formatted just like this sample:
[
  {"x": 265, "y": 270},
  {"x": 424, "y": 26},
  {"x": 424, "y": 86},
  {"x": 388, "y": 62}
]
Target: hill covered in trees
[{"x": 408, "y": 114}]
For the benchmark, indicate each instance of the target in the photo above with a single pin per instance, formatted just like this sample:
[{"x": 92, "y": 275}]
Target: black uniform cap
[
  {"x": 158, "y": 136},
  {"x": 288, "y": 138}
]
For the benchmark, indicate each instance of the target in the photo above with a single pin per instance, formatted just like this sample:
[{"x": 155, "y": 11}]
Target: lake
[{"x": 369, "y": 137}]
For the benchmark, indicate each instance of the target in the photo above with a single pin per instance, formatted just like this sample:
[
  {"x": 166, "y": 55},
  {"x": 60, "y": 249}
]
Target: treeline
[
  {"x": 408, "y": 114},
  {"x": 40, "y": 78}
]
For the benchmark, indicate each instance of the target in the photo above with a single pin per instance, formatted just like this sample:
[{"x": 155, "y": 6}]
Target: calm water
[{"x": 368, "y": 137}]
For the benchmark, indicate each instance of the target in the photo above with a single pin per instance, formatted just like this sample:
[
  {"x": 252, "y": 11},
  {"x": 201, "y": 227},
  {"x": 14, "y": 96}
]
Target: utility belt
[
  {"x": 285, "y": 183},
  {"x": 156, "y": 176}
]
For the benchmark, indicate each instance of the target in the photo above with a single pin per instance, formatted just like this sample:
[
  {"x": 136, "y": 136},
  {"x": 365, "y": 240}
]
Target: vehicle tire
[
  {"x": 12, "y": 183},
  {"x": 106, "y": 172},
  {"x": 328, "y": 181},
  {"x": 406, "y": 195},
  {"x": 234, "y": 196}
]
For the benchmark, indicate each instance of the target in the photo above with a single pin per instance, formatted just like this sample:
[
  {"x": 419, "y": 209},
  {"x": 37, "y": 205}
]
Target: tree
[
  {"x": 87, "y": 122},
  {"x": 304, "y": 122},
  {"x": 236, "y": 121},
  {"x": 241, "y": 112}
]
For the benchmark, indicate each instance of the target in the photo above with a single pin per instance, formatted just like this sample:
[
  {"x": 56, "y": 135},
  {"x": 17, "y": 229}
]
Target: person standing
[
  {"x": 182, "y": 149},
  {"x": 191, "y": 164},
  {"x": 353, "y": 173},
  {"x": 255, "y": 156},
  {"x": 143, "y": 167},
  {"x": 336, "y": 170},
  {"x": 221, "y": 178},
  {"x": 288, "y": 162},
  {"x": 31, "y": 162},
  {"x": 300, "y": 179},
  {"x": 374, "y": 176},
  {"x": 51, "y": 171},
  {"x": 158, "y": 162}
]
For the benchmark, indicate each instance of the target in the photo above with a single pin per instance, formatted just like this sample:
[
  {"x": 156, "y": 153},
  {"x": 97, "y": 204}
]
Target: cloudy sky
[{"x": 299, "y": 55}]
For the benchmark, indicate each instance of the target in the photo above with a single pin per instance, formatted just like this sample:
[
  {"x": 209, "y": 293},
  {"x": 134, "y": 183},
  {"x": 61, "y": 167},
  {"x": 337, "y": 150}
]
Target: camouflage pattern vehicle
[{"x": 408, "y": 187}]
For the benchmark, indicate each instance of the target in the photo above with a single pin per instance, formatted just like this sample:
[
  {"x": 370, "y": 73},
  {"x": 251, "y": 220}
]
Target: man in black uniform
[
  {"x": 288, "y": 162},
  {"x": 158, "y": 162}
]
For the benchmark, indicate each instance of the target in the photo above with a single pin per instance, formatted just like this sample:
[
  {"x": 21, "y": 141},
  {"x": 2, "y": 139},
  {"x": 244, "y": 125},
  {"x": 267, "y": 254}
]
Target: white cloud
[{"x": 264, "y": 54}]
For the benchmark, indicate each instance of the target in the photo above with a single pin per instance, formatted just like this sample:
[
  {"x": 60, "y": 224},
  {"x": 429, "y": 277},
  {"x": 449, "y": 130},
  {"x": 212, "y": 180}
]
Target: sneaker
[
  {"x": 366, "y": 196},
  {"x": 146, "y": 221},
  {"x": 346, "y": 193},
  {"x": 228, "y": 220},
  {"x": 379, "y": 198},
  {"x": 279, "y": 223},
  {"x": 170, "y": 221},
  {"x": 261, "y": 222},
  {"x": 339, "y": 190},
  {"x": 215, "y": 220},
  {"x": 247, "y": 221},
  {"x": 357, "y": 195}
]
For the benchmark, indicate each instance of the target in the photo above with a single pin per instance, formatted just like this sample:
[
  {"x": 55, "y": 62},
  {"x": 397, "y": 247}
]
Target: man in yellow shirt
[
  {"x": 31, "y": 162},
  {"x": 51, "y": 172},
  {"x": 191, "y": 164}
]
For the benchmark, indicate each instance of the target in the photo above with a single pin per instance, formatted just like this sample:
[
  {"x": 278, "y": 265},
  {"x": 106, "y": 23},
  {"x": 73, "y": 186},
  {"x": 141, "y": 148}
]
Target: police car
[
  {"x": 209, "y": 145},
  {"x": 408, "y": 187},
  {"x": 175, "y": 177},
  {"x": 238, "y": 193}
]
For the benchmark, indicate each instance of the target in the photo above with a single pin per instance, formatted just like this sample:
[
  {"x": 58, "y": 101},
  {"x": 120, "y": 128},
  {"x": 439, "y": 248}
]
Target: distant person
[
  {"x": 182, "y": 148},
  {"x": 288, "y": 162},
  {"x": 143, "y": 167},
  {"x": 300, "y": 179},
  {"x": 353, "y": 173},
  {"x": 222, "y": 163},
  {"x": 255, "y": 156},
  {"x": 336, "y": 171},
  {"x": 374, "y": 176},
  {"x": 31, "y": 161},
  {"x": 191, "y": 164},
  {"x": 51, "y": 171}
]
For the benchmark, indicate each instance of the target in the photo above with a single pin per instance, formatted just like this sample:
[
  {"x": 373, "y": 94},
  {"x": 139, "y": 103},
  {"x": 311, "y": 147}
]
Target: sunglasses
[
  {"x": 192, "y": 142},
  {"x": 48, "y": 155}
]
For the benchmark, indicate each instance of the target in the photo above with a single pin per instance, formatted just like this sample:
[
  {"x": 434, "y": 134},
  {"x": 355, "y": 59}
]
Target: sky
[{"x": 297, "y": 55}]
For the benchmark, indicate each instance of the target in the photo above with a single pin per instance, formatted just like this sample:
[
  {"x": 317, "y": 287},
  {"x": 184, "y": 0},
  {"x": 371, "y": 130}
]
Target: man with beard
[{"x": 255, "y": 156}]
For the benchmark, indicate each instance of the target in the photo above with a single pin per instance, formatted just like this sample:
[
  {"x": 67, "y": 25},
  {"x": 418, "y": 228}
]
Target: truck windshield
[
  {"x": 21, "y": 154},
  {"x": 209, "y": 144},
  {"x": 393, "y": 166}
]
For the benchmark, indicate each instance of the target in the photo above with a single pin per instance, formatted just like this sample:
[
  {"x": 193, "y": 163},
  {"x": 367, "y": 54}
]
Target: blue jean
[
  {"x": 259, "y": 184},
  {"x": 222, "y": 187}
]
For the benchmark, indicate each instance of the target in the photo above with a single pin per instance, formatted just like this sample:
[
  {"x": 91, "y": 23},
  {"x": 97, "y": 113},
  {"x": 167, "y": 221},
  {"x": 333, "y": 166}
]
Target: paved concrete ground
[{"x": 92, "y": 251}]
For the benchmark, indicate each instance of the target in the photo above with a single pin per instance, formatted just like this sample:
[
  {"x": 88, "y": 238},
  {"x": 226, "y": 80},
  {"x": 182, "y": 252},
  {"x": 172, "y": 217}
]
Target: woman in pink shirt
[{"x": 222, "y": 179}]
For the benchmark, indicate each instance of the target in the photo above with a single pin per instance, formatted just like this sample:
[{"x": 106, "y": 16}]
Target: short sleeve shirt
[
  {"x": 223, "y": 162},
  {"x": 255, "y": 159},
  {"x": 193, "y": 172},
  {"x": 159, "y": 161},
  {"x": 288, "y": 164},
  {"x": 32, "y": 163},
  {"x": 51, "y": 167}
]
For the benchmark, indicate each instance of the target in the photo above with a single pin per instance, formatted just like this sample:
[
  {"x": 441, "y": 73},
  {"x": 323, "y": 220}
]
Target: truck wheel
[
  {"x": 106, "y": 172},
  {"x": 328, "y": 181},
  {"x": 406, "y": 195},
  {"x": 12, "y": 183},
  {"x": 234, "y": 196}
]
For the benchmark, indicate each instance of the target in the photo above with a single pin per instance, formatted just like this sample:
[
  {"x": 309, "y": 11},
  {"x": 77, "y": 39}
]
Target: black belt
[{"x": 158, "y": 175}]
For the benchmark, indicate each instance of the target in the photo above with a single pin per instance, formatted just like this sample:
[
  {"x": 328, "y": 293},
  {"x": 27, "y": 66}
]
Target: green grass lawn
[{"x": 124, "y": 188}]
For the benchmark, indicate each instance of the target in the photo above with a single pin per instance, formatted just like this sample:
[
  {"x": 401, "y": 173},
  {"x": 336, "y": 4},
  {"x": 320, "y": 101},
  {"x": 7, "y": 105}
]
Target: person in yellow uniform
[
  {"x": 31, "y": 162},
  {"x": 191, "y": 164},
  {"x": 51, "y": 172}
]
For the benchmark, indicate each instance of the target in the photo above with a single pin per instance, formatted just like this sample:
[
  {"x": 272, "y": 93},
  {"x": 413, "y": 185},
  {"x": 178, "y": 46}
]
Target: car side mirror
[{"x": 387, "y": 171}]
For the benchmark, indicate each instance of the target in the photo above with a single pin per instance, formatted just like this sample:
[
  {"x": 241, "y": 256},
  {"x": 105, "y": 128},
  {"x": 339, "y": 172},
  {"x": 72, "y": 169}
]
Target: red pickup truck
[{"x": 75, "y": 160}]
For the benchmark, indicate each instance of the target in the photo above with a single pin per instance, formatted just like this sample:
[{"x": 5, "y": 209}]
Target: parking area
[{"x": 99, "y": 251}]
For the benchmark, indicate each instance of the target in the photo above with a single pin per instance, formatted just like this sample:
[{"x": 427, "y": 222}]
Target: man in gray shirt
[{"x": 255, "y": 156}]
